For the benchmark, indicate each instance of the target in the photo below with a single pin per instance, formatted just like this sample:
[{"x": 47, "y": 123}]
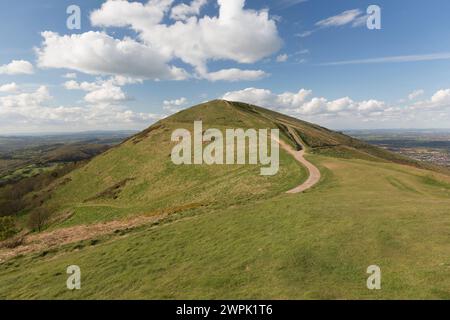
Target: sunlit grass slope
[
  {"x": 312, "y": 245},
  {"x": 249, "y": 243},
  {"x": 138, "y": 177}
]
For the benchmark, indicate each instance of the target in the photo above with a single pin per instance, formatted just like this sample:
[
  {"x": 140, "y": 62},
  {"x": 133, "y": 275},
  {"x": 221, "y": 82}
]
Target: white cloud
[
  {"x": 292, "y": 100},
  {"x": 121, "y": 80},
  {"x": 25, "y": 100},
  {"x": 121, "y": 13},
  {"x": 371, "y": 105},
  {"x": 85, "y": 86},
  {"x": 175, "y": 102},
  {"x": 101, "y": 91},
  {"x": 299, "y": 103},
  {"x": 355, "y": 17},
  {"x": 32, "y": 111},
  {"x": 106, "y": 94},
  {"x": 16, "y": 67},
  {"x": 315, "y": 106},
  {"x": 441, "y": 97},
  {"x": 70, "y": 76},
  {"x": 97, "y": 53},
  {"x": 341, "y": 104},
  {"x": 236, "y": 34},
  {"x": 261, "y": 97},
  {"x": 415, "y": 94},
  {"x": 184, "y": 11},
  {"x": 360, "y": 21},
  {"x": 235, "y": 75},
  {"x": 174, "y": 105},
  {"x": 305, "y": 34},
  {"x": 266, "y": 98},
  {"x": 9, "y": 88},
  {"x": 348, "y": 113},
  {"x": 289, "y": 3},
  {"x": 393, "y": 59},
  {"x": 341, "y": 19},
  {"x": 282, "y": 58},
  {"x": 438, "y": 102}
]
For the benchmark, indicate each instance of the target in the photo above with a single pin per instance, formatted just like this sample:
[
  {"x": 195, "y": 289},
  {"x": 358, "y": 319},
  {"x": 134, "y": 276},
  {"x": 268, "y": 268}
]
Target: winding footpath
[{"x": 314, "y": 173}]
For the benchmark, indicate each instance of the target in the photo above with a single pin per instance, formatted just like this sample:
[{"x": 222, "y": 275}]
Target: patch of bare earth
[
  {"x": 57, "y": 238},
  {"x": 314, "y": 173}
]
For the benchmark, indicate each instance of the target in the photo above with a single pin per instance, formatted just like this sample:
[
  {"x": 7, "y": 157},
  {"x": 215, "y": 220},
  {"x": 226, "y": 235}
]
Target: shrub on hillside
[
  {"x": 12, "y": 242},
  {"x": 13, "y": 195},
  {"x": 38, "y": 219},
  {"x": 7, "y": 228}
]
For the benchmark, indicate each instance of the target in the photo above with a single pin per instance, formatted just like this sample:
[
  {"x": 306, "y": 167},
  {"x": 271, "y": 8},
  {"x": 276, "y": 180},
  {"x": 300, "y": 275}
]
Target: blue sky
[{"x": 342, "y": 75}]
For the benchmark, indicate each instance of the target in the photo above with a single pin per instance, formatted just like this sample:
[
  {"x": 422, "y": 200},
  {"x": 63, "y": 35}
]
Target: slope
[
  {"x": 366, "y": 210},
  {"x": 138, "y": 176}
]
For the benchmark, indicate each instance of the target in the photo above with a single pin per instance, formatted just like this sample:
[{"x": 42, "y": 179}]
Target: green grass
[
  {"x": 315, "y": 245},
  {"x": 153, "y": 182},
  {"x": 250, "y": 239},
  {"x": 28, "y": 171}
]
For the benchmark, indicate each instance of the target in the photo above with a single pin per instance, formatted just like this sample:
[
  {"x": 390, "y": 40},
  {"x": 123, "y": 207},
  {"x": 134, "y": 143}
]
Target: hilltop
[
  {"x": 138, "y": 176},
  {"x": 156, "y": 230}
]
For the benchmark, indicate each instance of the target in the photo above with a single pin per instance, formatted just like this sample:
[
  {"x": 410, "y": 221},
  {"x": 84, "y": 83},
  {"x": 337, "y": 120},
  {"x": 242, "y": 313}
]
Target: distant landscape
[
  {"x": 24, "y": 156},
  {"x": 432, "y": 145}
]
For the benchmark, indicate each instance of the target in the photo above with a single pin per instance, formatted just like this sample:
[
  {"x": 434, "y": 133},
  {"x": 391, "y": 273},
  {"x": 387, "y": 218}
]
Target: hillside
[
  {"x": 157, "y": 230},
  {"x": 139, "y": 176}
]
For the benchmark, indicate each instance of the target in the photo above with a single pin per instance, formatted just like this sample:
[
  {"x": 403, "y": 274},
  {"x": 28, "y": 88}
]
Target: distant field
[
  {"x": 15, "y": 142},
  {"x": 26, "y": 156},
  {"x": 28, "y": 171},
  {"x": 431, "y": 146}
]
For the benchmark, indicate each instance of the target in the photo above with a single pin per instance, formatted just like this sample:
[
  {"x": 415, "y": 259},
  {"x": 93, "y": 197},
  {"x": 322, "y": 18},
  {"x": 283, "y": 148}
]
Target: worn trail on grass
[{"x": 314, "y": 173}]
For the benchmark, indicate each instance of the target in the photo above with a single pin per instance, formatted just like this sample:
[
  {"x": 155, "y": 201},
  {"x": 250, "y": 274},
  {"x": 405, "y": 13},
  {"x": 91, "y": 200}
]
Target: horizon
[
  {"x": 131, "y": 131},
  {"x": 137, "y": 130}
]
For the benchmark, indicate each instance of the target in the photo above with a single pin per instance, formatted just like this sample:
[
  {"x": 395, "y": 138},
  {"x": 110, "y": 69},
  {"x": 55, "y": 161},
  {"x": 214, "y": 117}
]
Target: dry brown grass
[{"x": 25, "y": 244}]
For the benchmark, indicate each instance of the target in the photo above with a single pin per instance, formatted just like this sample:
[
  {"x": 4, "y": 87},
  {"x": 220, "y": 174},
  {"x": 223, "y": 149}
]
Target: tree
[
  {"x": 7, "y": 228},
  {"x": 38, "y": 218}
]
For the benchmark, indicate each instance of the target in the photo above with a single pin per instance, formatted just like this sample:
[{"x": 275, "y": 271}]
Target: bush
[
  {"x": 7, "y": 228},
  {"x": 11, "y": 207},
  {"x": 13, "y": 242},
  {"x": 38, "y": 219}
]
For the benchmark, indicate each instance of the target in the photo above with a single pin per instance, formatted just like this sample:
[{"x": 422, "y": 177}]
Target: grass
[
  {"x": 28, "y": 171},
  {"x": 315, "y": 245},
  {"x": 138, "y": 177},
  {"x": 247, "y": 243}
]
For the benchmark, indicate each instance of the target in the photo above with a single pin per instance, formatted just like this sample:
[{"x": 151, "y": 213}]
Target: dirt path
[
  {"x": 57, "y": 238},
  {"x": 38, "y": 242},
  {"x": 314, "y": 173}
]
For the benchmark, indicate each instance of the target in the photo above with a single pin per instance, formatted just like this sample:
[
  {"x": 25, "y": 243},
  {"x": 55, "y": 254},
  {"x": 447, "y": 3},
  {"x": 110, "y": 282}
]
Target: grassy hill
[
  {"x": 139, "y": 177},
  {"x": 227, "y": 232}
]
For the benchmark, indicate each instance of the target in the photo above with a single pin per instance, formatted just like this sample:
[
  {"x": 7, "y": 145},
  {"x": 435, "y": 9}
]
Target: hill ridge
[{"x": 138, "y": 176}]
